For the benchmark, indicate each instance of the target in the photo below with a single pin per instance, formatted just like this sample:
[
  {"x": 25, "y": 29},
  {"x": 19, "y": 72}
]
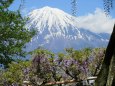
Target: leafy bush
[{"x": 45, "y": 67}]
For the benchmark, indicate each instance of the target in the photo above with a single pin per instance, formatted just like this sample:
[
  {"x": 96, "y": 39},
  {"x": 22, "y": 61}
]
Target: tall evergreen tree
[{"x": 13, "y": 34}]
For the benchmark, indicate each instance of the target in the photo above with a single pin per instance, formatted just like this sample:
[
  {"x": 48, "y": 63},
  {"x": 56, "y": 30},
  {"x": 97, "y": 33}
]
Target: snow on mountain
[
  {"x": 51, "y": 18},
  {"x": 57, "y": 30}
]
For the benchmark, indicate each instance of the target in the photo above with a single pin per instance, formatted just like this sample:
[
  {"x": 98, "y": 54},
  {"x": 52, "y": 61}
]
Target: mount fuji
[{"x": 57, "y": 30}]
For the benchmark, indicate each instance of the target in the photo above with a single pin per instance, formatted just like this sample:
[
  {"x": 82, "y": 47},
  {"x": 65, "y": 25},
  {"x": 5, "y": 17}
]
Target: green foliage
[
  {"x": 96, "y": 59},
  {"x": 15, "y": 72},
  {"x": 78, "y": 54},
  {"x": 13, "y": 33},
  {"x": 5, "y": 4},
  {"x": 46, "y": 66},
  {"x": 74, "y": 62},
  {"x": 41, "y": 65}
]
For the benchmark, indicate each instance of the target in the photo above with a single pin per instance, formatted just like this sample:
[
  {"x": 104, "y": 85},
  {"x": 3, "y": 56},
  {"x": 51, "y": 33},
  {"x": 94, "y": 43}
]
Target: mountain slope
[{"x": 57, "y": 30}]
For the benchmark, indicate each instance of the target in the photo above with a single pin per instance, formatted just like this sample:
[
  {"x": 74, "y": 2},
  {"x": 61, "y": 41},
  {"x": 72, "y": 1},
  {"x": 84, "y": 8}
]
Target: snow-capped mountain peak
[
  {"x": 56, "y": 20},
  {"x": 57, "y": 30}
]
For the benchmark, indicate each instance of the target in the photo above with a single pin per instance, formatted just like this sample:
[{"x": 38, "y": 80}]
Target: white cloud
[{"x": 96, "y": 22}]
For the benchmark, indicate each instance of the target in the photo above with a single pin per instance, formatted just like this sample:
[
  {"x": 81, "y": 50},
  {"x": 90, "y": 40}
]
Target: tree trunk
[
  {"x": 113, "y": 83},
  {"x": 103, "y": 74},
  {"x": 111, "y": 76}
]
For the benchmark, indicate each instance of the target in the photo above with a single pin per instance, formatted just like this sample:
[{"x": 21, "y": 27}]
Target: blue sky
[{"x": 83, "y": 6}]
